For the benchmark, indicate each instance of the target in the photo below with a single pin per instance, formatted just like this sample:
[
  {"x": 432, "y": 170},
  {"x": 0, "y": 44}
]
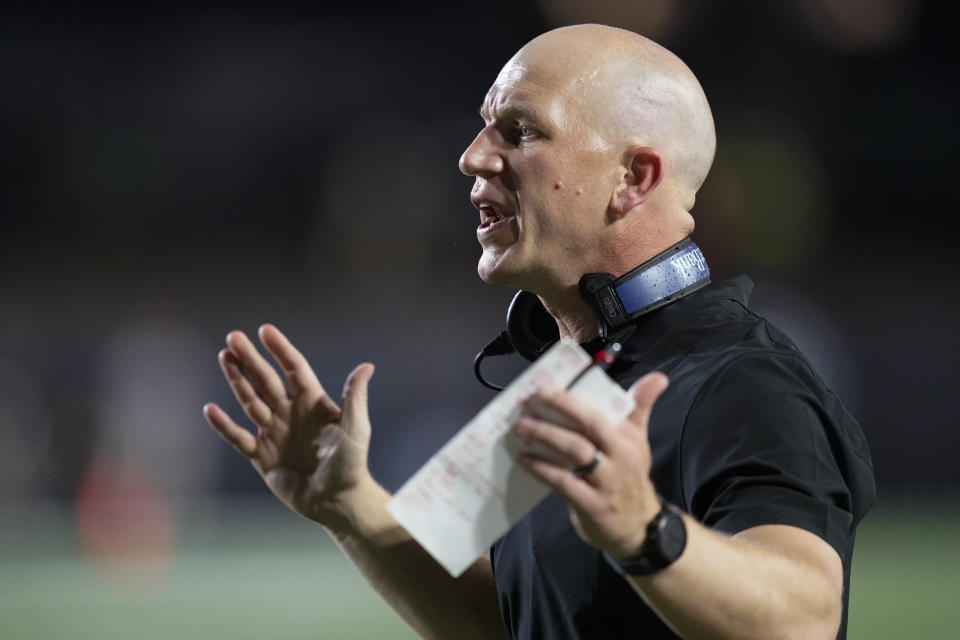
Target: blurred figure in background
[{"x": 724, "y": 506}]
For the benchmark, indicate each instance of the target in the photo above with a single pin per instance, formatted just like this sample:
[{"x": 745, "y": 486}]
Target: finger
[
  {"x": 571, "y": 448},
  {"x": 645, "y": 392},
  {"x": 575, "y": 490},
  {"x": 241, "y": 439},
  {"x": 255, "y": 367},
  {"x": 356, "y": 411},
  {"x": 582, "y": 415},
  {"x": 298, "y": 371},
  {"x": 251, "y": 403}
]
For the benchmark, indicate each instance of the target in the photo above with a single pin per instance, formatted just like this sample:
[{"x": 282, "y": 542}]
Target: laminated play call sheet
[{"x": 472, "y": 490}]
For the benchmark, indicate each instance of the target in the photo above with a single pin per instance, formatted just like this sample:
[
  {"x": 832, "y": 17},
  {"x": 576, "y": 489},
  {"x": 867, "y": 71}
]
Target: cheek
[
  {"x": 560, "y": 199},
  {"x": 584, "y": 176},
  {"x": 593, "y": 195}
]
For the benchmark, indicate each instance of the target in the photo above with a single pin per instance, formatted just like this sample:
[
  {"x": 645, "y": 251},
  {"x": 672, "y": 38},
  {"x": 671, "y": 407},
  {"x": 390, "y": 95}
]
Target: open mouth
[{"x": 493, "y": 218}]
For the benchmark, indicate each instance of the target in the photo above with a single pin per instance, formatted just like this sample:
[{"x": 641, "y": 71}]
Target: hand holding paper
[
  {"x": 473, "y": 490},
  {"x": 611, "y": 505}
]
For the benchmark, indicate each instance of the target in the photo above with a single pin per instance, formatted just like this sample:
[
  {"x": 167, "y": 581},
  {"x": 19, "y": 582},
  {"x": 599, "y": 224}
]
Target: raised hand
[
  {"x": 309, "y": 451},
  {"x": 611, "y": 505}
]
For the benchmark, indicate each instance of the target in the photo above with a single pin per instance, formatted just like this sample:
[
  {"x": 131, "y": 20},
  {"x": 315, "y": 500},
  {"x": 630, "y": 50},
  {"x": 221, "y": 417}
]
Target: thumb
[
  {"x": 645, "y": 392},
  {"x": 354, "y": 403}
]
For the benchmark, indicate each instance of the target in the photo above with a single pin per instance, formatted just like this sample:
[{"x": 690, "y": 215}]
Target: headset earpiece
[{"x": 529, "y": 326}]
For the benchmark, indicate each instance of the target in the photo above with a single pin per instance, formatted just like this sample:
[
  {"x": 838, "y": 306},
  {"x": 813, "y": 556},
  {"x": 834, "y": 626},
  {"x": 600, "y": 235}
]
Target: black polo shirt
[{"x": 746, "y": 434}]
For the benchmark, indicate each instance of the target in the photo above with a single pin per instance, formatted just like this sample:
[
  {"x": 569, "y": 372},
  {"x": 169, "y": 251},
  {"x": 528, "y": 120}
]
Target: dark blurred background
[{"x": 169, "y": 173}]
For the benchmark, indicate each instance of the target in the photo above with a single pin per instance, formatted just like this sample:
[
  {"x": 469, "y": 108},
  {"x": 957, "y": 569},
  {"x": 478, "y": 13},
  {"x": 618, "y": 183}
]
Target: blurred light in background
[
  {"x": 153, "y": 384},
  {"x": 767, "y": 203},
  {"x": 860, "y": 27},
  {"x": 124, "y": 524}
]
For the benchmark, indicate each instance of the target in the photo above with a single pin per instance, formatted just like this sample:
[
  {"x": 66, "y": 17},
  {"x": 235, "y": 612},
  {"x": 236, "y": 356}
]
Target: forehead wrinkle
[
  {"x": 551, "y": 92},
  {"x": 521, "y": 98},
  {"x": 519, "y": 108},
  {"x": 578, "y": 87},
  {"x": 512, "y": 72}
]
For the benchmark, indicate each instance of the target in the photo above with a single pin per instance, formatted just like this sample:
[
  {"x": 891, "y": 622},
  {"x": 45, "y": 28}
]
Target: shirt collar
[{"x": 668, "y": 323}]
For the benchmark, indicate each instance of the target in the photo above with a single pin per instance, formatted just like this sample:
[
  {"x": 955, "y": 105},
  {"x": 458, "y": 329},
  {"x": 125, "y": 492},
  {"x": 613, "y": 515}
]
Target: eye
[{"x": 518, "y": 133}]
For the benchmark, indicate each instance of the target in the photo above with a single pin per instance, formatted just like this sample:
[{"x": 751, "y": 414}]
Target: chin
[
  {"x": 488, "y": 274},
  {"x": 496, "y": 269}
]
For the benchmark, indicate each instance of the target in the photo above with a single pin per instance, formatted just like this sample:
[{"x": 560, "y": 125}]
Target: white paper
[{"x": 472, "y": 490}]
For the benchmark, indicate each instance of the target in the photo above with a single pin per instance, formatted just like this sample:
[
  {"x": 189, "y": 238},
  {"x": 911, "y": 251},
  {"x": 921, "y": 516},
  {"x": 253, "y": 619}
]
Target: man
[{"x": 727, "y": 511}]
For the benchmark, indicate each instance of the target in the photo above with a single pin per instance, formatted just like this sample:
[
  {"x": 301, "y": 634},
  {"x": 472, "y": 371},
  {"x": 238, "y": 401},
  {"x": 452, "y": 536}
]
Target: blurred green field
[
  {"x": 906, "y": 572},
  {"x": 255, "y": 571}
]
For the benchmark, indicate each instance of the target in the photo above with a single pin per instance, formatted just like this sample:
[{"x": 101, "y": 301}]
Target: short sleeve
[{"x": 759, "y": 447}]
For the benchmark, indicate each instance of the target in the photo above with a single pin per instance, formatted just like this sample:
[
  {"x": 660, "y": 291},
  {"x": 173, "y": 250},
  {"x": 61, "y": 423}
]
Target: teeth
[{"x": 489, "y": 211}]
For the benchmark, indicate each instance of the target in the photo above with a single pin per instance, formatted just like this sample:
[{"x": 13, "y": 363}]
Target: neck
[
  {"x": 575, "y": 319},
  {"x": 630, "y": 247}
]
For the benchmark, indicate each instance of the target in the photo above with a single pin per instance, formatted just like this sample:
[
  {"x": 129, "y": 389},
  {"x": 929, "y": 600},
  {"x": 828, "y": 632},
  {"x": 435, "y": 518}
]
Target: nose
[{"x": 482, "y": 158}]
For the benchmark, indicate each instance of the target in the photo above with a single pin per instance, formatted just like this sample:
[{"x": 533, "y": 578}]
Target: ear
[{"x": 643, "y": 174}]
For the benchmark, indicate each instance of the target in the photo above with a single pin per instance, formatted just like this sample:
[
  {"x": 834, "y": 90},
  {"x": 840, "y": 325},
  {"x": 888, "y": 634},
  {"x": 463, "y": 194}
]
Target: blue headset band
[{"x": 666, "y": 277}]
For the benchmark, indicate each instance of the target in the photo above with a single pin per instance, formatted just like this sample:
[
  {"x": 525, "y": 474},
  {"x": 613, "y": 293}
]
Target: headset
[{"x": 617, "y": 301}]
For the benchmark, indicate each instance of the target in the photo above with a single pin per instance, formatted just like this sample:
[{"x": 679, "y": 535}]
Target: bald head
[
  {"x": 595, "y": 141},
  {"x": 633, "y": 91}
]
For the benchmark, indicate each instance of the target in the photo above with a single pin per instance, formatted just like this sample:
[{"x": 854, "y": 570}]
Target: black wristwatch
[{"x": 665, "y": 542}]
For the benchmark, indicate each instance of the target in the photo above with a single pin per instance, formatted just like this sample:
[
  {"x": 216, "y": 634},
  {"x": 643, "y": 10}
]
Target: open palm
[{"x": 308, "y": 450}]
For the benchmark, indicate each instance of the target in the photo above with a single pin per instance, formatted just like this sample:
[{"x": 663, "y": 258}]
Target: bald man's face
[{"x": 544, "y": 176}]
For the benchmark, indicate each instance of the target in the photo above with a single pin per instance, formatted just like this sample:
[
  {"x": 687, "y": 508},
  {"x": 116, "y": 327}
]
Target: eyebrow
[{"x": 518, "y": 110}]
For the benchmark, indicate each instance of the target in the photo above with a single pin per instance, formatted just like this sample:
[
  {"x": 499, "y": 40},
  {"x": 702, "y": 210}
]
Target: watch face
[
  {"x": 665, "y": 542},
  {"x": 673, "y": 536}
]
